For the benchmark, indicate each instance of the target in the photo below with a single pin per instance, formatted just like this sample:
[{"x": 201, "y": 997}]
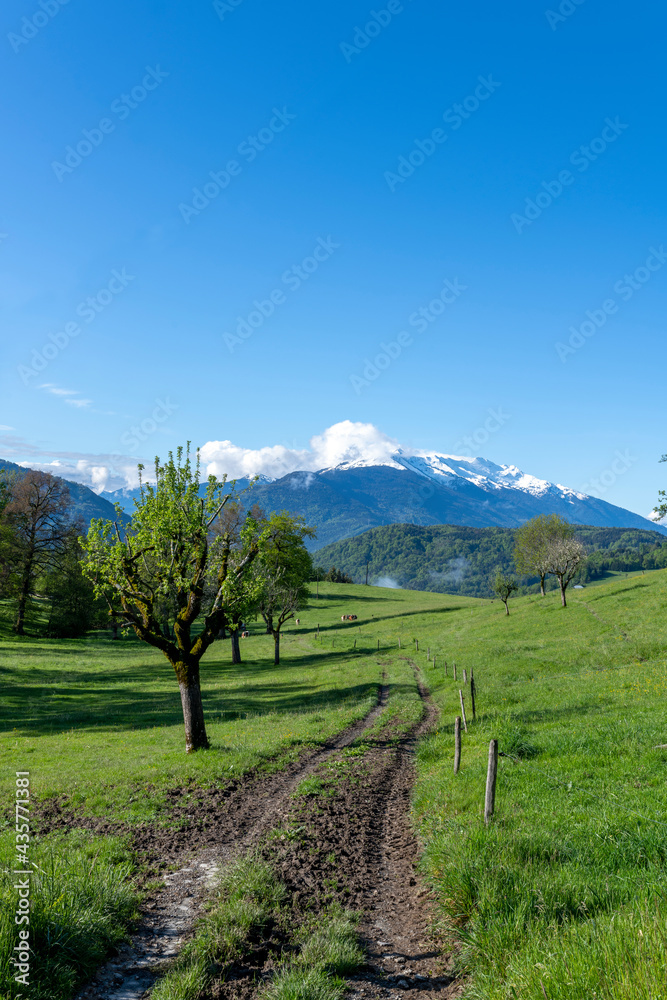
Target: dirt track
[
  {"x": 359, "y": 839},
  {"x": 224, "y": 822}
]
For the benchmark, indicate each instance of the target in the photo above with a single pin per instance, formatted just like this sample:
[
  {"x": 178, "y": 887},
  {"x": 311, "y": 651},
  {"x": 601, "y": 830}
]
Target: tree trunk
[
  {"x": 507, "y": 608},
  {"x": 542, "y": 591},
  {"x": 276, "y": 648},
  {"x": 562, "y": 591},
  {"x": 236, "y": 651},
  {"x": 193, "y": 710},
  {"x": 23, "y": 598},
  {"x": 269, "y": 624}
]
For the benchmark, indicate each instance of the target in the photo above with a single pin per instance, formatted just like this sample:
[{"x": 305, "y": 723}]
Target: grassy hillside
[
  {"x": 449, "y": 559},
  {"x": 563, "y": 896}
]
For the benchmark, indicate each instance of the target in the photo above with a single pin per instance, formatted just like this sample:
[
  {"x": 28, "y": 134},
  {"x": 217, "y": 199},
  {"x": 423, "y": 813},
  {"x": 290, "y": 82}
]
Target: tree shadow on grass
[{"x": 110, "y": 700}]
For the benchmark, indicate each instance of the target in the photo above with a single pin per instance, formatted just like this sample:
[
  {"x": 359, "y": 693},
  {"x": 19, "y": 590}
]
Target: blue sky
[{"x": 342, "y": 213}]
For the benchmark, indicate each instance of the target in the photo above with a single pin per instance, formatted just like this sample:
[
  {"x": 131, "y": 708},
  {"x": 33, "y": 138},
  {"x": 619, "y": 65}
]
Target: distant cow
[
  {"x": 245, "y": 635},
  {"x": 348, "y": 618},
  {"x": 297, "y": 621}
]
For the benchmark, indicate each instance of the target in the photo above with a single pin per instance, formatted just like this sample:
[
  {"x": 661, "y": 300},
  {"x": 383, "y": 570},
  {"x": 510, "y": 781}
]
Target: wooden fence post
[
  {"x": 454, "y": 665},
  {"x": 355, "y": 644},
  {"x": 465, "y": 676},
  {"x": 428, "y": 652},
  {"x": 434, "y": 659},
  {"x": 463, "y": 710},
  {"x": 417, "y": 641},
  {"x": 399, "y": 642},
  {"x": 445, "y": 668},
  {"x": 472, "y": 693},
  {"x": 490, "y": 798},
  {"x": 378, "y": 645},
  {"x": 457, "y": 744}
]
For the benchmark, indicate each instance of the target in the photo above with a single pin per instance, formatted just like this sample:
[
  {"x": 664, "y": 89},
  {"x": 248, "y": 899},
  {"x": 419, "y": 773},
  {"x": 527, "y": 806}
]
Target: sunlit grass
[{"x": 564, "y": 895}]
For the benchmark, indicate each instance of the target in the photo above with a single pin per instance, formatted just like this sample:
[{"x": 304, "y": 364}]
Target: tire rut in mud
[
  {"x": 352, "y": 844},
  {"x": 219, "y": 825}
]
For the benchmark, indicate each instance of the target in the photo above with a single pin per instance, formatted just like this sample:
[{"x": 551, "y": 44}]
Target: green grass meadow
[{"x": 563, "y": 896}]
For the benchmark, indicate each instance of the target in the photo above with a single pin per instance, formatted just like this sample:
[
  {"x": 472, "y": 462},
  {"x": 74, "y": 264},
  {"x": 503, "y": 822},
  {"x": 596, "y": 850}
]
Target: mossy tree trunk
[{"x": 193, "y": 709}]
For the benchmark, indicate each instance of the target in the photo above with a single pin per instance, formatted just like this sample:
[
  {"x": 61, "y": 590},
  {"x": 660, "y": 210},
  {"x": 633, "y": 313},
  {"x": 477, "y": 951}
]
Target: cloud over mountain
[{"x": 346, "y": 442}]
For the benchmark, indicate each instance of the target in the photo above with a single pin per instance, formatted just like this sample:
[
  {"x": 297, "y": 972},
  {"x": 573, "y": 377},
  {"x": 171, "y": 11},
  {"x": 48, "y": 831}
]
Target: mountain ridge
[{"x": 344, "y": 500}]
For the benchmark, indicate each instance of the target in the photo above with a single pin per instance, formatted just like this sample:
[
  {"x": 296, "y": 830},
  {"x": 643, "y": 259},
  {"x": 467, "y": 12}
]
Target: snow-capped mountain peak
[{"x": 481, "y": 472}]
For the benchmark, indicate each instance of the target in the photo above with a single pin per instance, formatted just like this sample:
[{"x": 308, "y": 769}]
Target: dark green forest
[{"x": 458, "y": 560}]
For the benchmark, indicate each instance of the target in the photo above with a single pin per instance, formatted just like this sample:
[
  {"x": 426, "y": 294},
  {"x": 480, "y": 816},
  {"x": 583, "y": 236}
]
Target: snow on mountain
[{"x": 447, "y": 469}]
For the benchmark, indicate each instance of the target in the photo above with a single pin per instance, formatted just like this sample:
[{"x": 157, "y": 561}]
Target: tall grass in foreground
[
  {"x": 81, "y": 902},
  {"x": 564, "y": 895}
]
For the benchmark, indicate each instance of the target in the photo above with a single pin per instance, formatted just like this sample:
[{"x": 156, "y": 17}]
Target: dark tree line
[{"x": 40, "y": 554}]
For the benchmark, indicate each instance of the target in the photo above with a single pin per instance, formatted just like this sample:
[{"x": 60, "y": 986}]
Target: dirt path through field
[
  {"x": 223, "y": 823},
  {"x": 353, "y": 845},
  {"x": 361, "y": 839}
]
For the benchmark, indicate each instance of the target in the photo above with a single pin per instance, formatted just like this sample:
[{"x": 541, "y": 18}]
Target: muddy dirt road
[{"x": 355, "y": 846}]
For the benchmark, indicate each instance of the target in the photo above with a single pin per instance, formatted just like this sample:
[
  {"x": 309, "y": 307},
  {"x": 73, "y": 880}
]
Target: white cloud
[
  {"x": 99, "y": 472},
  {"x": 6, "y": 427},
  {"x": 66, "y": 394},
  {"x": 57, "y": 391},
  {"x": 346, "y": 441}
]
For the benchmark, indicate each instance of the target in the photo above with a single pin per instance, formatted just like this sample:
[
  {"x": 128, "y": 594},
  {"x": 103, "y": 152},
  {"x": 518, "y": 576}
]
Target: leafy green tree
[
  {"x": 8, "y": 538},
  {"x": 239, "y": 532},
  {"x": 74, "y": 609},
  {"x": 531, "y": 544},
  {"x": 564, "y": 557},
  {"x": 166, "y": 552},
  {"x": 337, "y": 576},
  {"x": 38, "y": 513},
  {"x": 504, "y": 586},
  {"x": 284, "y": 566}
]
